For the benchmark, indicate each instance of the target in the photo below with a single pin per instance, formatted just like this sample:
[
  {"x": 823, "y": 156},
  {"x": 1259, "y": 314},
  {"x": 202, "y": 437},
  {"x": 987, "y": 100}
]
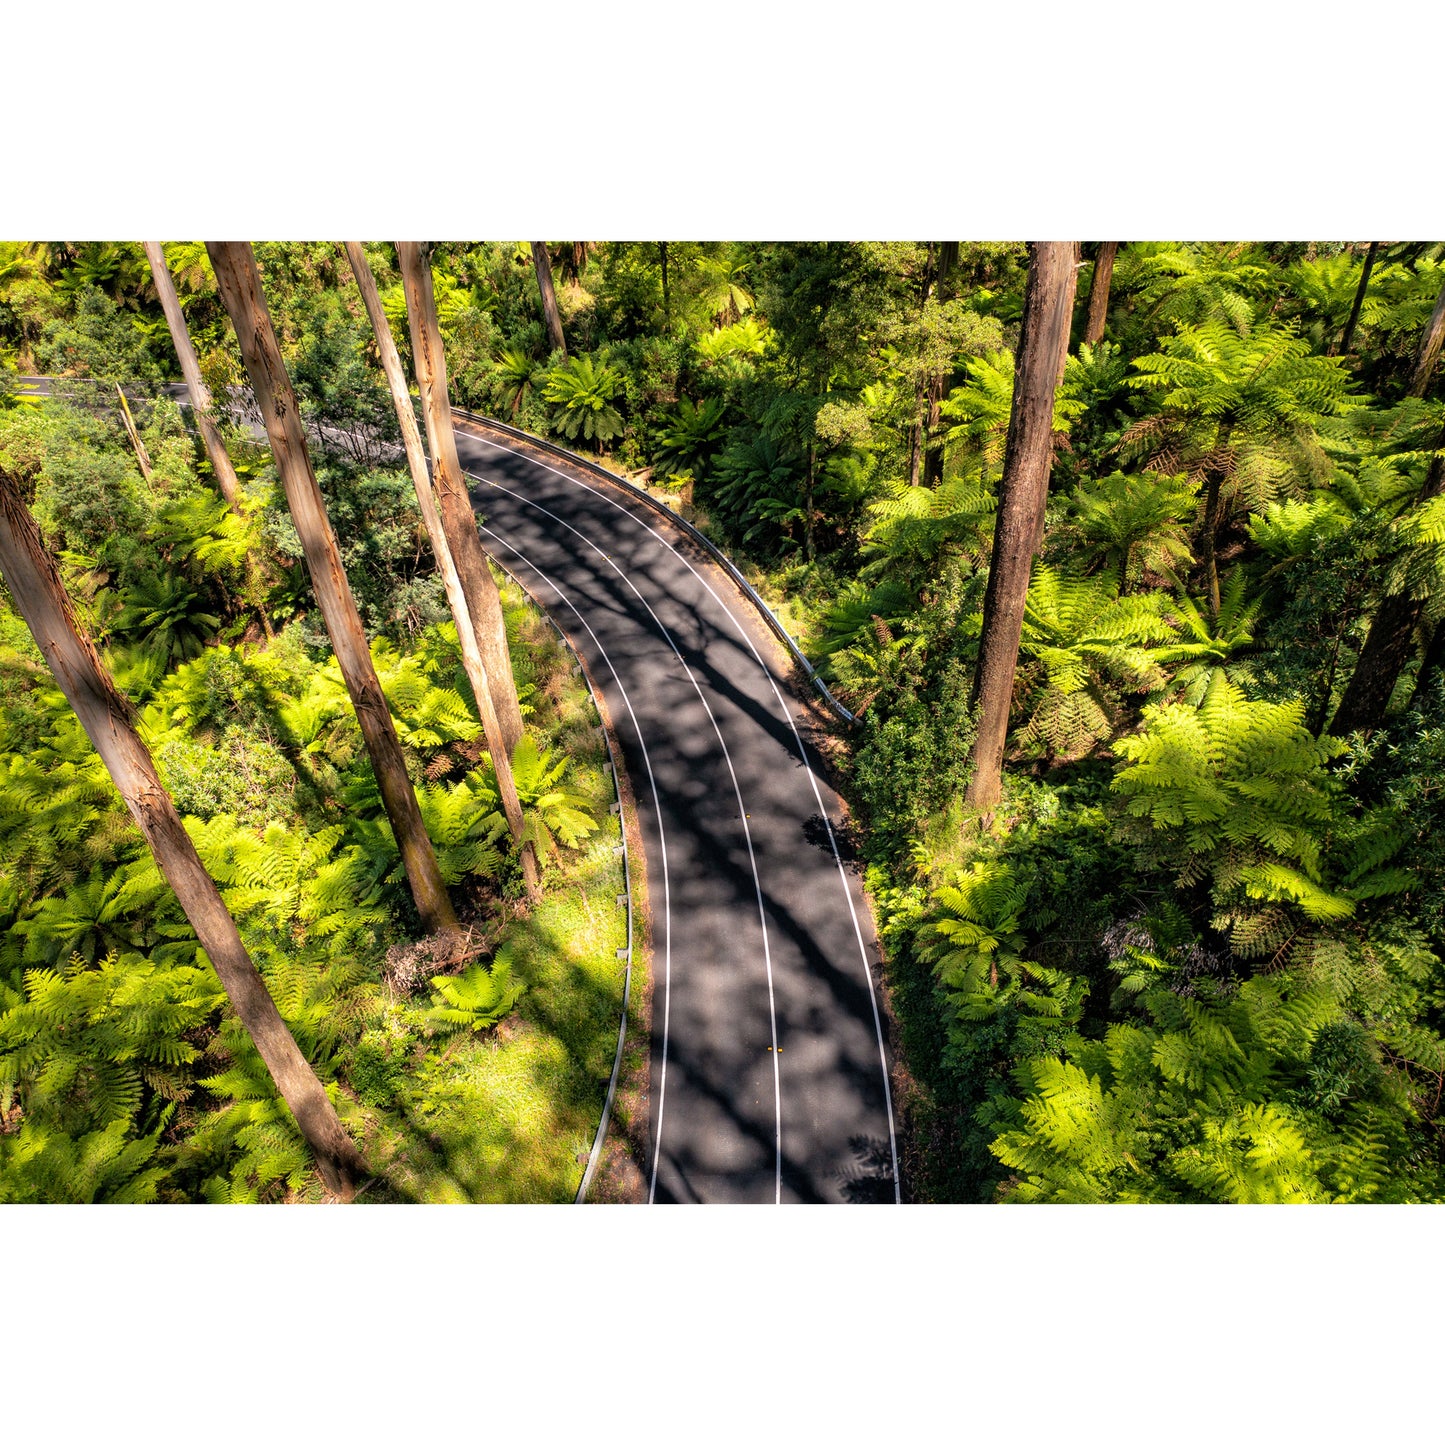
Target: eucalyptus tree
[
  {"x": 109, "y": 722},
  {"x": 472, "y": 661},
  {"x": 459, "y": 521},
  {"x": 1023, "y": 491},
  {"x": 543, "y": 263},
  {"x": 1099, "y": 293},
  {"x": 239, "y": 281},
  {"x": 201, "y": 408}
]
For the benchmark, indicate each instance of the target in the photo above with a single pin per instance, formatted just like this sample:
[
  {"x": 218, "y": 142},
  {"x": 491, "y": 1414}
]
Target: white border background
[{"x": 631, "y": 120}]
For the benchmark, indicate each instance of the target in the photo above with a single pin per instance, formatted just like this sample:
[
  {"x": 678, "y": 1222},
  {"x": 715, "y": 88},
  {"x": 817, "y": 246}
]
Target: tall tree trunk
[
  {"x": 200, "y": 397},
  {"x": 933, "y": 451},
  {"x": 543, "y": 263},
  {"x": 947, "y": 261},
  {"x": 1349, "y": 332},
  {"x": 141, "y": 455},
  {"x": 240, "y": 286},
  {"x": 1429, "y": 352},
  {"x": 1389, "y": 645},
  {"x": 484, "y": 602},
  {"x": 456, "y": 598},
  {"x": 219, "y": 457},
  {"x": 1023, "y": 492},
  {"x": 1099, "y": 293},
  {"x": 1430, "y": 666},
  {"x": 109, "y": 723},
  {"x": 666, "y": 294},
  {"x": 808, "y": 504}
]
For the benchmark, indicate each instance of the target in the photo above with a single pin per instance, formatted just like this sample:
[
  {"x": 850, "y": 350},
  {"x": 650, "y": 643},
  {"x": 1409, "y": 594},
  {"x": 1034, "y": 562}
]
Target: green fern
[{"x": 476, "y": 999}]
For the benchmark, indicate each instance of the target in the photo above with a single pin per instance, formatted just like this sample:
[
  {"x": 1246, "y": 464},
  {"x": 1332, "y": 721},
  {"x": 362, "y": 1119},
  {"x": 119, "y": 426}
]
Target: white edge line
[
  {"x": 662, "y": 838},
  {"x": 600, "y": 1137}
]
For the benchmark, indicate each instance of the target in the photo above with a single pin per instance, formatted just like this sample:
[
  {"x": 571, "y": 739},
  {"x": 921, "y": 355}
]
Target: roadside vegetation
[
  {"x": 463, "y": 1063},
  {"x": 1180, "y": 939}
]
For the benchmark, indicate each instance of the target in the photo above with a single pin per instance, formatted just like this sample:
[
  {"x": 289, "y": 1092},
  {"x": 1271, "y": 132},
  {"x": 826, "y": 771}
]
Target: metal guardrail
[{"x": 716, "y": 553}]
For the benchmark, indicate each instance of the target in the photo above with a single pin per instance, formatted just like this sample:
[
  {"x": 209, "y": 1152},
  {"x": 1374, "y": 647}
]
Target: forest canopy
[{"x": 1195, "y": 951}]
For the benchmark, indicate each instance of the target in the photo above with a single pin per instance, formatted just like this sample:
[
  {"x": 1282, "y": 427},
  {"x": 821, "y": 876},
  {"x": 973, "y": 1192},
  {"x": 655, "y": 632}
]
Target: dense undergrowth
[
  {"x": 1196, "y": 953},
  {"x": 123, "y": 1075}
]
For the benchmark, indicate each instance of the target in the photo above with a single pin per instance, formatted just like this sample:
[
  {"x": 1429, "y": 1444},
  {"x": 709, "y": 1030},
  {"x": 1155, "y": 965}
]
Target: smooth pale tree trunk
[
  {"x": 543, "y": 263},
  {"x": 1099, "y": 293},
  {"x": 416, "y": 460},
  {"x": 141, "y": 455},
  {"x": 240, "y": 286},
  {"x": 200, "y": 394},
  {"x": 1360, "y": 290},
  {"x": 484, "y": 602},
  {"x": 1429, "y": 352},
  {"x": 1023, "y": 492},
  {"x": 1389, "y": 646},
  {"x": 108, "y": 721}
]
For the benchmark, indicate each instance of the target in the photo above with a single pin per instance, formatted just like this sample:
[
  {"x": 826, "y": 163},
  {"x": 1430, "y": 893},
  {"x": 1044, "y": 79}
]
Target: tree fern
[
  {"x": 1238, "y": 790},
  {"x": 1090, "y": 645}
]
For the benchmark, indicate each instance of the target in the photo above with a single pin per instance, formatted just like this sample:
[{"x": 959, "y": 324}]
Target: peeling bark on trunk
[
  {"x": 459, "y": 521},
  {"x": 472, "y": 661},
  {"x": 543, "y": 263},
  {"x": 1028, "y": 459},
  {"x": 1389, "y": 645},
  {"x": 216, "y": 452},
  {"x": 240, "y": 287},
  {"x": 1099, "y": 293},
  {"x": 108, "y": 721},
  {"x": 1429, "y": 352},
  {"x": 1360, "y": 290}
]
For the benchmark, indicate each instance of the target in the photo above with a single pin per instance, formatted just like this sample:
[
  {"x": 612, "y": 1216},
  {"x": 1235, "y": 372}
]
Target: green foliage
[
  {"x": 1133, "y": 525},
  {"x": 581, "y": 393},
  {"x": 691, "y": 437},
  {"x": 1215, "y": 1099},
  {"x": 476, "y": 999},
  {"x": 1089, "y": 645},
  {"x": 1237, "y": 791}
]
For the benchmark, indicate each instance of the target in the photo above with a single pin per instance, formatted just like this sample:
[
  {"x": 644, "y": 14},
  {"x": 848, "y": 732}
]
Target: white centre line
[{"x": 752, "y": 863}]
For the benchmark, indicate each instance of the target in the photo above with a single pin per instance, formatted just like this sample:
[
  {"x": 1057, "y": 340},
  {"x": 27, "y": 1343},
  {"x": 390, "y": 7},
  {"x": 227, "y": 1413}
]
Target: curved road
[
  {"x": 769, "y": 1078},
  {"x": 769, "y": 1072}
]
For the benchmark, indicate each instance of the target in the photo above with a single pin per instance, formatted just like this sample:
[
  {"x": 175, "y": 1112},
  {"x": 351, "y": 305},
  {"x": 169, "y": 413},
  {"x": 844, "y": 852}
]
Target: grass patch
[{"x": 507, "y": 1114}]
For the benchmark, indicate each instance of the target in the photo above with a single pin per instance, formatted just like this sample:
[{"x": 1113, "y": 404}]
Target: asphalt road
[{"x": 769, "y": 1080}]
